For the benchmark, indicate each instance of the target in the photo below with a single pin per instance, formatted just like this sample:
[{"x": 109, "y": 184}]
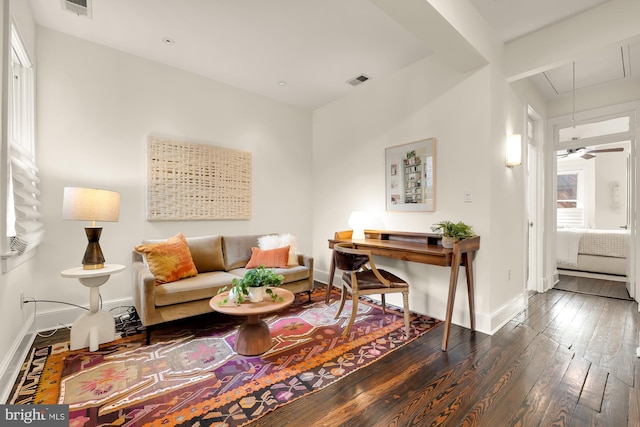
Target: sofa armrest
[
  {"x": 306, "y": 261},
  {"x": 144, "y": 285}
]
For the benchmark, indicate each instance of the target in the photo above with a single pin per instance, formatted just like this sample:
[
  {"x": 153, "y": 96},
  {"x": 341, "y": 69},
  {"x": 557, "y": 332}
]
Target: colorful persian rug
[{"x": 190, "y": 374}]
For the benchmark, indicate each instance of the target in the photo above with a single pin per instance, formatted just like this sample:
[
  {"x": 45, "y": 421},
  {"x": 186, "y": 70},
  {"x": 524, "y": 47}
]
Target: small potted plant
[
  {"x": 452, "y": 232},
  {"x": 253, "y": 285}
]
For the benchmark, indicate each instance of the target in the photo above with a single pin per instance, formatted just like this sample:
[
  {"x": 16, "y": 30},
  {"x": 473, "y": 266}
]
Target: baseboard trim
[
  {"x": 50, "y": 319},
  {"x": 43, "y": 320},
  {"x": 485, "y": 323},
  {"x": 10, "y": 367},
  {"x": 490, "y": 324}
]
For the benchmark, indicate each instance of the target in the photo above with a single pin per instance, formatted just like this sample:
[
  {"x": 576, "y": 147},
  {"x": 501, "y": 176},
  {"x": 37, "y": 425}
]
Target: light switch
[{"x": 467, "y": 196}]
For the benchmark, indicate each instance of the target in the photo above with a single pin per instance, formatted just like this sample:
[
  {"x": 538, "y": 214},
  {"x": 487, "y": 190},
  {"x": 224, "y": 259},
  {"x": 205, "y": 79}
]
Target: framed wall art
[
  {"x": 410, "y": 172},
  {"x": 187, "y": 181}
]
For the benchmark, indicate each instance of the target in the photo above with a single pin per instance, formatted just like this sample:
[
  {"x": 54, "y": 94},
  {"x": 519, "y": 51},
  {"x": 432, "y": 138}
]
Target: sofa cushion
[
  {"x": 291, "y": 274},
  {"x": 269, "y": 258},
  {"x": 206, "y": 252},
  {"x": 237, "y": 250},
  {"x": 272, "y": 241},
  {"x": 169, "y": 260},
  {"x": 203, "y": 286}
]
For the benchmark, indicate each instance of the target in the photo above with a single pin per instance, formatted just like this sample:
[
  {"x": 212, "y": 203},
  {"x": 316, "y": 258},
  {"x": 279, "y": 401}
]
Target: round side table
[
  {"x": 96, "y": 326},
  {"x": 253, "y": 337}
]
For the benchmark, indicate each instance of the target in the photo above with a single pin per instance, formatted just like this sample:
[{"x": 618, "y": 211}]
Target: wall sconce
[
  {"x": 514, "y": 150},
  {"x": 357, "y": 221}
]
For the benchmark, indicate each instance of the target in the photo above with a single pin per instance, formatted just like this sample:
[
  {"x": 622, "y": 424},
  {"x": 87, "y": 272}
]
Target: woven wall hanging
[{"x": 187, "y": 181}]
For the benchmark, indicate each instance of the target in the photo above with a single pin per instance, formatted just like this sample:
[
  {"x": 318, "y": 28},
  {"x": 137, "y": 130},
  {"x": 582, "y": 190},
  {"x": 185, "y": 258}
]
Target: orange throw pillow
[
  {"x": 169, "y": 260},
  {"x": 270, "y": 258}
]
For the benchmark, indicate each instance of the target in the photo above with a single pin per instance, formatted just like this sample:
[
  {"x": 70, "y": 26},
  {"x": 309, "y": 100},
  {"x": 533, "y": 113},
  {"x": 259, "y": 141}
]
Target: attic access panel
[{"x": 187, "y": 181}]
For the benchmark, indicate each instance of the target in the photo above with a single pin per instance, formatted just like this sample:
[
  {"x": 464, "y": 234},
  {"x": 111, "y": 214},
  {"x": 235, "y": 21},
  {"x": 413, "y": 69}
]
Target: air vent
[
  {"x": 79, "y": 7},
  {"x": 358, "y": 80}
]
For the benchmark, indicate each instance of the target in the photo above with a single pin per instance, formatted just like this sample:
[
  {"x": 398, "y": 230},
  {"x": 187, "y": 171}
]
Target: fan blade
[
  {"x": 587, "y": 156},
  {"x": 607, "y": 150}
]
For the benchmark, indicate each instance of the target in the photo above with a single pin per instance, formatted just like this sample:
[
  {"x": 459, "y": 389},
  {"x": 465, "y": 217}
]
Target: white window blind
[
  {"x": 28, "y": 229},
  {"x": 23, "y": 227}
]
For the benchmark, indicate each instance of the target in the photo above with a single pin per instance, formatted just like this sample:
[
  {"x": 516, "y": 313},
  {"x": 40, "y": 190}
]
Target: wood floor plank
[
  {"x": 556, "y": 313},
  {"x": 615, "y": 405},
  {"x": 532, "y": 409},
  {"x": 590, "y": 286},
  {"x": 583, "y": 337},
  {"x": 572, "y": 329},
  {"x": 600, "y": 334},
  {"x": 556, "y": 328},
  {"x": 516, "y": 384},
  {"x": 593, "y": 390},
  {"x": 466, "y": 403},
  {"x": 565, "y": 398},
  {"x": 634, "y": 408},
  {"x": 584, "y": 417}
]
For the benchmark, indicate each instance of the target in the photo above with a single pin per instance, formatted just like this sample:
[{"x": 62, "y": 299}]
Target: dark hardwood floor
[
  {"x": 568, "y": 360},
  {"x": 585, "y": 285}
]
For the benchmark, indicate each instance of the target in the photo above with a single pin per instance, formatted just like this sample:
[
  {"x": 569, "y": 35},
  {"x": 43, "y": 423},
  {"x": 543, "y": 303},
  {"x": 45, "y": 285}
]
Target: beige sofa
[{"x": 218, "y": 259}]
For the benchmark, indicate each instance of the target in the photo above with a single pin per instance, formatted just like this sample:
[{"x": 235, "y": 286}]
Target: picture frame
[{"x": 410, "y": 176}]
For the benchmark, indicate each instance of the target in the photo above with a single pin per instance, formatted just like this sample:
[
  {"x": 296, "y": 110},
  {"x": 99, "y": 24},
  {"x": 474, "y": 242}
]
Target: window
[
  {"x": 570, "y": 196},
  {"x": 568, "y": 190},
  {"x": 23, "y": 229}
]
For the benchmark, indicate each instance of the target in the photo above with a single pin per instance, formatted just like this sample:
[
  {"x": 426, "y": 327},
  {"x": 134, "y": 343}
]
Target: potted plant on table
[
  {"x": 253, "y": 285},
  {"x": 452, "y": 232}
]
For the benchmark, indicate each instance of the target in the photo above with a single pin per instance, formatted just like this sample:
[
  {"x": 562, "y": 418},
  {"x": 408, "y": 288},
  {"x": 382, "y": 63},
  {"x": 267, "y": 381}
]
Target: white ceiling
[{"x": 315, "y": 46}]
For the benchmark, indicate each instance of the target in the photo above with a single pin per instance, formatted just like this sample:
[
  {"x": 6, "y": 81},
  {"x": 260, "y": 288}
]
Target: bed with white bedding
[{"x": 593, "y": 251}]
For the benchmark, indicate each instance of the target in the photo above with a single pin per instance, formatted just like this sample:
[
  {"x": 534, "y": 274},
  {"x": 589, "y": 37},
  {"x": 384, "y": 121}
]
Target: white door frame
[
  {"x": 534, "y": 211},
  {"x": 552, "y": 145}
]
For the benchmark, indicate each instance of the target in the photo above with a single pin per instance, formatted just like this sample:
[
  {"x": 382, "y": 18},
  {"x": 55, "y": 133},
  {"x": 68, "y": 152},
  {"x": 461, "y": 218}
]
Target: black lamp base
[{"x": 93, "y": 257}]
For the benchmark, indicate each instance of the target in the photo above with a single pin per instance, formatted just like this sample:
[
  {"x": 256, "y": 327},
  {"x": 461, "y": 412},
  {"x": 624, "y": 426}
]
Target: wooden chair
[{"x": 361, "y": 277}]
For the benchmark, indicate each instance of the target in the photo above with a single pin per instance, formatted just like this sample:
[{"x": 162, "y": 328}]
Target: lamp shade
[
  {"x": 90, "y": 204},
  {"x": 357, "y": 221}
]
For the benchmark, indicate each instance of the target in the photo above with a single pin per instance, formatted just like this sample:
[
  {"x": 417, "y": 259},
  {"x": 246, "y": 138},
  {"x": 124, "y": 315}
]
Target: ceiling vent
[
  {"x": 79, "y": 7},
  {"x": 358, "y": 80}
]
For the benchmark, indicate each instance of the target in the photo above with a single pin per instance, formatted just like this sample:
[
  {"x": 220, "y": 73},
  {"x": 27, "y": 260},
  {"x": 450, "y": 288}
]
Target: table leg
[
  {"x": 453, "y": 282},
  {"x": 332, "y": 272},
  {"x": 253, "y": 337},
  {"x": 467, "y": 258}
]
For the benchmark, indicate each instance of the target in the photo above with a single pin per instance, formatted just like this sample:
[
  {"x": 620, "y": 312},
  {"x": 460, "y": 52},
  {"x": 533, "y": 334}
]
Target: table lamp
[
  {"x": 357, "y": 221},
  {"x": 91, "y": 204}
]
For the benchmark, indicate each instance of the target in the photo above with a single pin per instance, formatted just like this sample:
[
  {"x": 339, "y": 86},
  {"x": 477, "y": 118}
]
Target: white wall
[
  {"x": 12, "y": 319},
  {"x": 426, "y": 100},
  {"x": 611, "y": 168},
  {"x": 96, "y": 107}
]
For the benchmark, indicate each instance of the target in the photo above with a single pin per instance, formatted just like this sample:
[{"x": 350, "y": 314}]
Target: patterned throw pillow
[
  {"x": 270, "y": 258},
  {"x": 169, "y": 260},
  {"x": 273, "y": 241}
]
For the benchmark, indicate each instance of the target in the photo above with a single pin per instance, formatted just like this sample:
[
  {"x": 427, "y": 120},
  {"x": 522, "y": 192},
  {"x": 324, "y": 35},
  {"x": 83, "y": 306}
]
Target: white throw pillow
[{"x": 273, "y": 241}]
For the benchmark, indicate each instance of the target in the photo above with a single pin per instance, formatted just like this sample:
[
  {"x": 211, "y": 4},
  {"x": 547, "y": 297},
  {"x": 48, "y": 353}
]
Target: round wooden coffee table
[{"x": 253, "y": 336}]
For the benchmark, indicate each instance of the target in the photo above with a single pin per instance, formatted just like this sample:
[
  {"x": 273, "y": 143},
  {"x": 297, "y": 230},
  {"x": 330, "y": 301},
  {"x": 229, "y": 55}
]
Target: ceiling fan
[{"x": 586, "y": 153}]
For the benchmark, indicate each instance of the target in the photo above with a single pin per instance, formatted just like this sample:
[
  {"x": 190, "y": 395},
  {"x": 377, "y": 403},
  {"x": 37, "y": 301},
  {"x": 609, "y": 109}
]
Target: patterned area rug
[{"x": 190, "y": 374}]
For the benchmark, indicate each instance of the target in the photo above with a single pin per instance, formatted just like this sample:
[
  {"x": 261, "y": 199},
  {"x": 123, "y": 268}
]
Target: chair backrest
[{"x": 349, "y": 259}]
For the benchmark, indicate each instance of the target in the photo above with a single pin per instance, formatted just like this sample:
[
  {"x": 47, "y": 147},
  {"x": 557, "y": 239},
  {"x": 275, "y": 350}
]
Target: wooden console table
[{"x": 425, "y": 248}]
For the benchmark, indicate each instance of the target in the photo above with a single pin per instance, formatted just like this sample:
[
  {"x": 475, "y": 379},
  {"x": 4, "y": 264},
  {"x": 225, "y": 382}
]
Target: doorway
[{"x": 594, "y": 197}]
